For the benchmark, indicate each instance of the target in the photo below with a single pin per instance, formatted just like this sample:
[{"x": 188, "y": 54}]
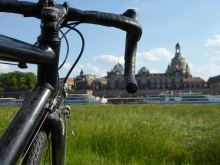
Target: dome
[
  {"x": 143, "y": 70},
  {"x": 118, "y": 68},
  {"x": 178, "y": 63}
]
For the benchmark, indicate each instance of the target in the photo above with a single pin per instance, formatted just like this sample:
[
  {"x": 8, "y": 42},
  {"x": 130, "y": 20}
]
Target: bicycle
[{"x": 41, "y": 113}]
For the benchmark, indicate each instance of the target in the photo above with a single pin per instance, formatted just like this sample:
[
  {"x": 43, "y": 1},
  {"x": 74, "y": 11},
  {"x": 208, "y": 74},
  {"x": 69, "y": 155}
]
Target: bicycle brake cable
[
  {"x": 80, "y": 54},
  {"x": 74, "y": 24},
  {"x": 67, "y": 51},
  {"x": 8, "y": 63}
]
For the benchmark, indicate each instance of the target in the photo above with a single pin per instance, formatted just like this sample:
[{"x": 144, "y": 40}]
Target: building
[
  {"x": 176, "y": 76},
  {"x": 84, "y": 81},
  {"x": 194, "y": 82},
  {"x": 214, "y": 84},
  {"x": 115, "y": 78},
  {"x": 100, "y": 84},
  {"x": 69, "y": 83}
]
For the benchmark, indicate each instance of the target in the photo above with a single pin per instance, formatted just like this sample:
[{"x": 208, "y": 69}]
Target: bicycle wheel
[
  {"x": 53, "y": 133},
  {"x": 39, "y": 151}
]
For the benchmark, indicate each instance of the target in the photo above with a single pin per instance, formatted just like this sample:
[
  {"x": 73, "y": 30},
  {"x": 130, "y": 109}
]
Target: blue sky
[{"x": 195, "y": 24}]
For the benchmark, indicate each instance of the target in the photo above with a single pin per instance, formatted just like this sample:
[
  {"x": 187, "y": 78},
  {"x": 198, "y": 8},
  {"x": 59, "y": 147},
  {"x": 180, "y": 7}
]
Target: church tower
[
  {"x": 178, "y": 65},
  {"x": 81, "y": 73},
  {"x": 177, "y": 49}
]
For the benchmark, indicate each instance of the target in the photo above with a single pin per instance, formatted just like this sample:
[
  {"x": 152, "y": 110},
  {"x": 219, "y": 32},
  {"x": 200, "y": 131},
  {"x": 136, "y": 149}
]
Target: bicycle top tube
[
  {"x": 127, "y": 21},
  {"x": 21, "y": 51}
]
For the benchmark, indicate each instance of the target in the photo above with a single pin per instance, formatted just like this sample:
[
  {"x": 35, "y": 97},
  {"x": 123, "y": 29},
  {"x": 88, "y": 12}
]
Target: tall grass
[{"x": 141, "y": 134}]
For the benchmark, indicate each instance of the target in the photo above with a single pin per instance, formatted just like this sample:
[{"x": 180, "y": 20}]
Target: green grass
[{"x": 141, "y": 134}]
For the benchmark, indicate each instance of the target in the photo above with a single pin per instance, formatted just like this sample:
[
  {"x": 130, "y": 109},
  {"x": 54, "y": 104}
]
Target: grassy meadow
[{"x": 140, "y": 134}]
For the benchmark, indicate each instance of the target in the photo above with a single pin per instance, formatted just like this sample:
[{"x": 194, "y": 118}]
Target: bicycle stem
[{"x": 51, "y": 20}]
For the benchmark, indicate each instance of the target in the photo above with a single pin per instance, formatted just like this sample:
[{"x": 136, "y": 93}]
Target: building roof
[
  {"x": 193, "y": 80},
  {"x": 70, "y": 80},
  {"x": 143, "y": 70},
  {"x": 118, "y": 68},
  {"x": 214, "y": 79}
]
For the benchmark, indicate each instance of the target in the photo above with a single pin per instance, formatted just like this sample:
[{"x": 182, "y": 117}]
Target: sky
[{"x": 195, "y": 24}]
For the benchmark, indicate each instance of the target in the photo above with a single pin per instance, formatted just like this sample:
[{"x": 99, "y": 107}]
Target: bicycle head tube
[{"x": 51, "y": 19}]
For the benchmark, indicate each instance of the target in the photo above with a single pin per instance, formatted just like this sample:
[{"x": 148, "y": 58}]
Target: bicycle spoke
[{"x": 28, "y": 148}]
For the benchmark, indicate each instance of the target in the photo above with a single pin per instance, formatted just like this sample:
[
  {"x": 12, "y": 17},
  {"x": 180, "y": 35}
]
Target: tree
[{"x": 17, "y": 81}]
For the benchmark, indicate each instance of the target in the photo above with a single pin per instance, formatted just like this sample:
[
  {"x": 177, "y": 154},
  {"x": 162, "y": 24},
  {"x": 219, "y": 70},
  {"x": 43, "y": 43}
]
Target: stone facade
[
  {"x": 115, "y": 78},
  {"x": 99, "y": 84},
  {"x": 176, "y": 76},
  {"x": 214, "y": 84},
  {"x": 84, "y": 81},
  {"x": 69, "y": 85}
]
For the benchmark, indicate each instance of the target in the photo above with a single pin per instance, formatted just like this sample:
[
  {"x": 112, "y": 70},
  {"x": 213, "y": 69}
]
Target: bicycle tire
[{"x": 35, "y": 153}]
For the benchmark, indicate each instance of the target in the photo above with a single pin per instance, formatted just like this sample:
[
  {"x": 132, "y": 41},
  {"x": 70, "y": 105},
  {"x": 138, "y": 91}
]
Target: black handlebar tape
[
  {"x": 27, "y": 9},
  {"x": 122, "y": 22},
  {"x": 130, "y": 56},
  {"x": 127, "y": 22}
]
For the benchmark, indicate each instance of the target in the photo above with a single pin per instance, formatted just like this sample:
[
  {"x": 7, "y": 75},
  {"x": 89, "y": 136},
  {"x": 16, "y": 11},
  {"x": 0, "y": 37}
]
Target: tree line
[{"x": 17, "y": 81}]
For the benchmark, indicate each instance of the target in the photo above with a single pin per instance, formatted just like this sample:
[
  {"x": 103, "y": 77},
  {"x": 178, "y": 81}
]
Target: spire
[
  {"x": 187, "y": 68},
  {"x": 81, "y": 73},
  {"x": 178, "y": 49}
]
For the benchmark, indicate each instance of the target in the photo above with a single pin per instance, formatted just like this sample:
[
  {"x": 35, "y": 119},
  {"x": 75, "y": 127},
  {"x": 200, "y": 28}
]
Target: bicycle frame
[
  {"x": 26, "y": 122},
  {"x": 46, "y": 55}
]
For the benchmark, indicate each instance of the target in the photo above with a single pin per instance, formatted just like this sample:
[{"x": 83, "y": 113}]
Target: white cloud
[
  {"x": 191, "y": 66},
  {"x": 213, "y": 42},
  {"x": 5, "y": 68},
  {"x": 142, "y": 3},
  {"x": 67, "y": 66},
  {"x": 90, "y": 68},
  {"x": 110, "y": 59},
  {"x": 147, "y": 5},
  {"x": 78, "y": 69},
  {"x": 215, "y": 59},
  {"x": 206, "y": 71},
  {"x": 93, "y": 69},
  {"x": 153, "y": 70},
  {"x": 158, "y": 55},
  {"x": 155, "y": 54}
]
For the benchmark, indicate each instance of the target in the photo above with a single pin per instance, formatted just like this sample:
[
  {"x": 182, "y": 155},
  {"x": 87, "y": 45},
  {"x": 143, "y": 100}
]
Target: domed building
[
  {"x": 176, "y": 76},
  {"x": 178, "y": 65},
  {"x": 115, "y": 78},
  {"x": 144, "y": 71},
  {"x": 118, "y": 69},
  {"x": 143, "y": 83}
]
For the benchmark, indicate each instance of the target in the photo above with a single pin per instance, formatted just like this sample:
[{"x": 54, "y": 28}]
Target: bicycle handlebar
[{"x": 126, "y": 21}]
